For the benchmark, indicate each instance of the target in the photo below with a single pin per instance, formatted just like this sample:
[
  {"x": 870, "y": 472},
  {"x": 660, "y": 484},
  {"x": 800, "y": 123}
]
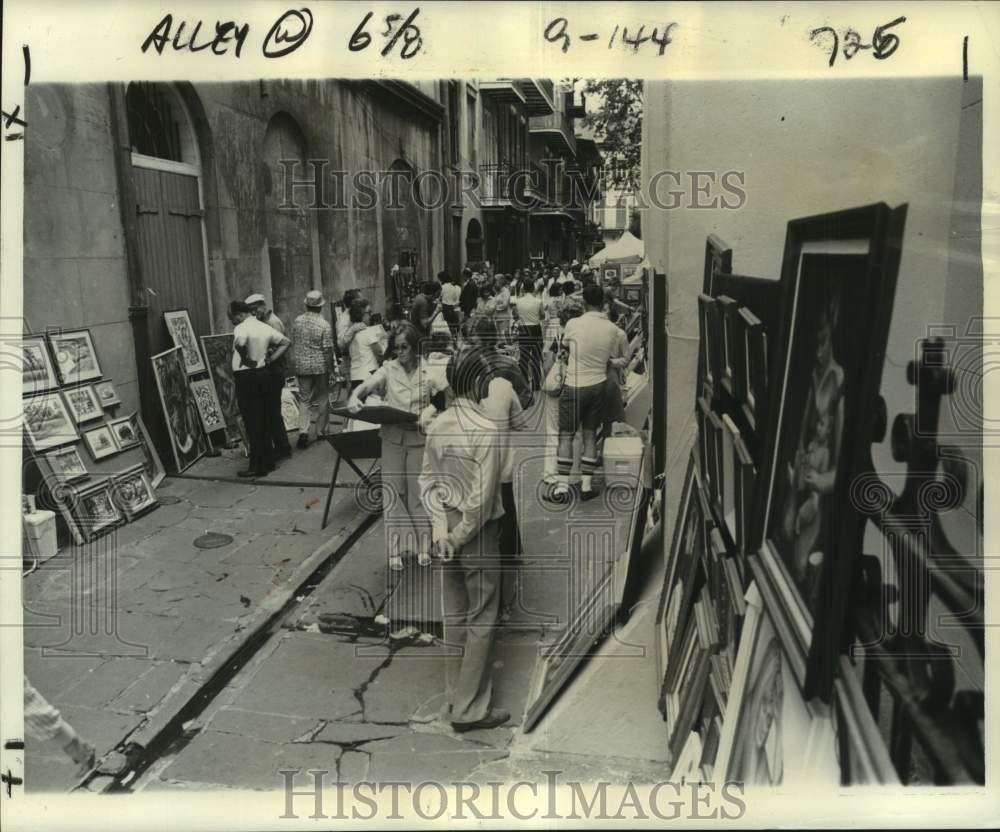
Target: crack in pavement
[{"x": 359, "y": 692}]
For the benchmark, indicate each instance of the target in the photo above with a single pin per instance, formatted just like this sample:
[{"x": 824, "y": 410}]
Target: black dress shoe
[
  {"x": 588, "y": 495},
  {"x": 495, "y": 717},
  {"x": 303, "y": 441},
  {"x": 559, "y": 496},
  {"x": 247, "y": 473}
]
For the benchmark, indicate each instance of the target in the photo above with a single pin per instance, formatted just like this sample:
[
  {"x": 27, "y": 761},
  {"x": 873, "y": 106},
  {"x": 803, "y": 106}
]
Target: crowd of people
[{"x": 465, "y": 364}]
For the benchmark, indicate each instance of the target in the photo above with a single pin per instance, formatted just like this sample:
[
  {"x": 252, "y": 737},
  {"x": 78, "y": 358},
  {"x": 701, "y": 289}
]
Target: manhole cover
[
  {"x": 168, "y": 499},
  {"x": 212, "y": 540}
]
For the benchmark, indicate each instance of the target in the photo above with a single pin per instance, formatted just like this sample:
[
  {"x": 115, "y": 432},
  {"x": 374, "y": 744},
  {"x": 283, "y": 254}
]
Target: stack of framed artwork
[
  {"x": 754, "y": 616},
  {"x": 198, "y": 396},
  {"x": 67, "y": 403}
]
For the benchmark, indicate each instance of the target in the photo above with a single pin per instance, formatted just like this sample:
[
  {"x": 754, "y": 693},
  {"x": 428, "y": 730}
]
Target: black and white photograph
[{"x": 388, "y": 419}]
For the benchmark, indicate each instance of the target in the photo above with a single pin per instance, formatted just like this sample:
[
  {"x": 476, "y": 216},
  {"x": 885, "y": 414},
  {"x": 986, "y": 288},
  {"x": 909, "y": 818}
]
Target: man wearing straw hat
[{"x": 312, "y": 360}]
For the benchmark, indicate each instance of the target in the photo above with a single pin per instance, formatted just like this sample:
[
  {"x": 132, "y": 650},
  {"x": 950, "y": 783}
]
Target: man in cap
[
  {"x": 255, "y": 346},
  {"x": 277, "y": 369},
  {"x": 311, "y": 361}
]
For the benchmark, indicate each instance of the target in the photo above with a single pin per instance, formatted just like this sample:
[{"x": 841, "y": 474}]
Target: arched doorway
[
  {"x": 474, "y": 242},
  {"x": 404, "y": 241},
  {"x": 169, "y": 228},
  {"x": 288, "y": 225}
]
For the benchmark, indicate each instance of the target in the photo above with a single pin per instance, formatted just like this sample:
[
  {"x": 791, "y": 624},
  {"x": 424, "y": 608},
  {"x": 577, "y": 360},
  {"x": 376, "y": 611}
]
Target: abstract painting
[
  {"x": 182, "y": 332},
  {"x": 187, "y": 440}
]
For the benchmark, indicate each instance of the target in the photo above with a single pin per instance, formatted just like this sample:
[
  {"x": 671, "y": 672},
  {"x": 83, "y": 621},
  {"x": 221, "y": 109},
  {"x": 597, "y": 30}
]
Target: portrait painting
[
  {"x": 180, "y": 409},
  {"x": 106, "y": 393},
  {"x": 83, "y": 403},
  {"x": 38, "y": 373},
  {"x": 132, "y": 492},
  {"x": 100, "y": 442},
  {"x": 66, "y": 464},
  {"x": 209, "y": 407},
  {"x": 839, "y": 282},
  {"x": 47, "y": 422},
  {"x": 179, "y": 326},
  {"x": 76, "y": 356}
]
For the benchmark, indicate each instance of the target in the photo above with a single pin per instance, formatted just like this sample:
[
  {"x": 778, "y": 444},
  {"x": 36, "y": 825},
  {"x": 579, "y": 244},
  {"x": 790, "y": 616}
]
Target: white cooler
[
  {"x": 622, "y": 460},
  {"x": 40, "y": 534}
]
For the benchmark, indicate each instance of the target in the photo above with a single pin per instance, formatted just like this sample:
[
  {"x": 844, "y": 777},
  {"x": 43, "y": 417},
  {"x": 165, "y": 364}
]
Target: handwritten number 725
[{"x": 884, "y": 43}]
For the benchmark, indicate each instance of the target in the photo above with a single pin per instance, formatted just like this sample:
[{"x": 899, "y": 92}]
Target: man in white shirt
[
  {"x": 278, "y": 370},
  {"x": 528, "y": 310},
  {"x": 255, "y": 345},
  {"x": 460, "y": 488},
  {"x": 366, "y": 347},
  {"x": 594, "y": 344}
]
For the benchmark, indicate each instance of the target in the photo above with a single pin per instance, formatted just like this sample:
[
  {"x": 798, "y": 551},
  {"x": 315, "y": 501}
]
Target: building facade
[{"x": 144, "y": 198}]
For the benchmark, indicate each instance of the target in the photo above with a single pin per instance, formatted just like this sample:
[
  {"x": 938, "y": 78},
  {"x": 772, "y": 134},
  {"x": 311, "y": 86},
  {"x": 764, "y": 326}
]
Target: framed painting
[
  {"x": 106, "y": 393},
  {"x": 95, "y": 510},
  {"x": 730, "y": 436},
  {"x": 687, "y": 765},
  {"x": 839, "y": 277},
  {"x": 209, "y": 407},
  {"x": 709, "y": 360},
  {"x": 864, "y": 757},
  {"x": 83, "y": 403},
  {"x": 718, "y": 260},
  {"x": 768, "y": 726},
  {"x": 687, "y": 526},
  {"x": 47, "y": 423},
  {"x": 125, "y": 432},
  {"x": 219, "y": 356},
  {"x": 38, "y": 374},
  {"x": 76, "y": 356},
  {"x": 132, "y": 492},
  {"x": 100, "y": 441},
  {"x": 745, "y": 482},
  {"x": 179, "y": 326},
  {"x": 713, "y": 439},
  {"x": 180, "y": 410},
  {"x": 687, "y": 577},
  {"x": 556, "y": 662},
  {"x": 751, "y": 364},
  {"x": 726, "y": 342},
  {"x": 151, "y": 459},
  {"x": 701, "y": 411},
  {"x": 685, "y": 696},
  {"x": 65, "y": 464}
]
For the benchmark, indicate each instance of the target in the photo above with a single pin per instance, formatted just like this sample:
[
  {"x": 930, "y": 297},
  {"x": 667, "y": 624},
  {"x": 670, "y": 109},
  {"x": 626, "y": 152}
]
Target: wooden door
[{"x": 171, "y": 256}]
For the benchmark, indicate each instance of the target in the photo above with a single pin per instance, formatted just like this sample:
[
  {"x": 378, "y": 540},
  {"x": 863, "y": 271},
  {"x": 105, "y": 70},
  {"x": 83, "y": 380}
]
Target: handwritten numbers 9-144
[
  {"x": 557, "y": 32},
  {"x": 405, "y": 34},
  {"x": 883, "y": 44}
]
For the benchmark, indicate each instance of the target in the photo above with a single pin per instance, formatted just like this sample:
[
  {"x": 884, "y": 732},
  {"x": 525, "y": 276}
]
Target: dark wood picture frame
[
  {"x": 834, "y": 264},
  {"x": 726, "y": 342}
]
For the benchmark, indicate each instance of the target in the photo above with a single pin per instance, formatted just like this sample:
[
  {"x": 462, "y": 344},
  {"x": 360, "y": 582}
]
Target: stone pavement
[
  {"x": 122, "y": 631},
  {"x": 346, "y": 700}
]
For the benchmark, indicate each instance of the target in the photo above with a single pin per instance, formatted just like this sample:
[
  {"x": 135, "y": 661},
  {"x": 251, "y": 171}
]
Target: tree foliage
[{"x": 617, "y": 124}]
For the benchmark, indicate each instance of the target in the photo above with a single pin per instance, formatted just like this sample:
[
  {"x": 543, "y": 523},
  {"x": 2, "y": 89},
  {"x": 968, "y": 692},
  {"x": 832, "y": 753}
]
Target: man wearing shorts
[{"x": 594, "y": 344}]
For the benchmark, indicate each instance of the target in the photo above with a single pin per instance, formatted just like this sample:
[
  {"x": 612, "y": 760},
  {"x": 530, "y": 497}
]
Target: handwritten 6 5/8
[{"x": 556, "y": 32}]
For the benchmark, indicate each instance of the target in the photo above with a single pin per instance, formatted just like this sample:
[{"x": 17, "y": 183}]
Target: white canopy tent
[{"x": 626, "y": 247}]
